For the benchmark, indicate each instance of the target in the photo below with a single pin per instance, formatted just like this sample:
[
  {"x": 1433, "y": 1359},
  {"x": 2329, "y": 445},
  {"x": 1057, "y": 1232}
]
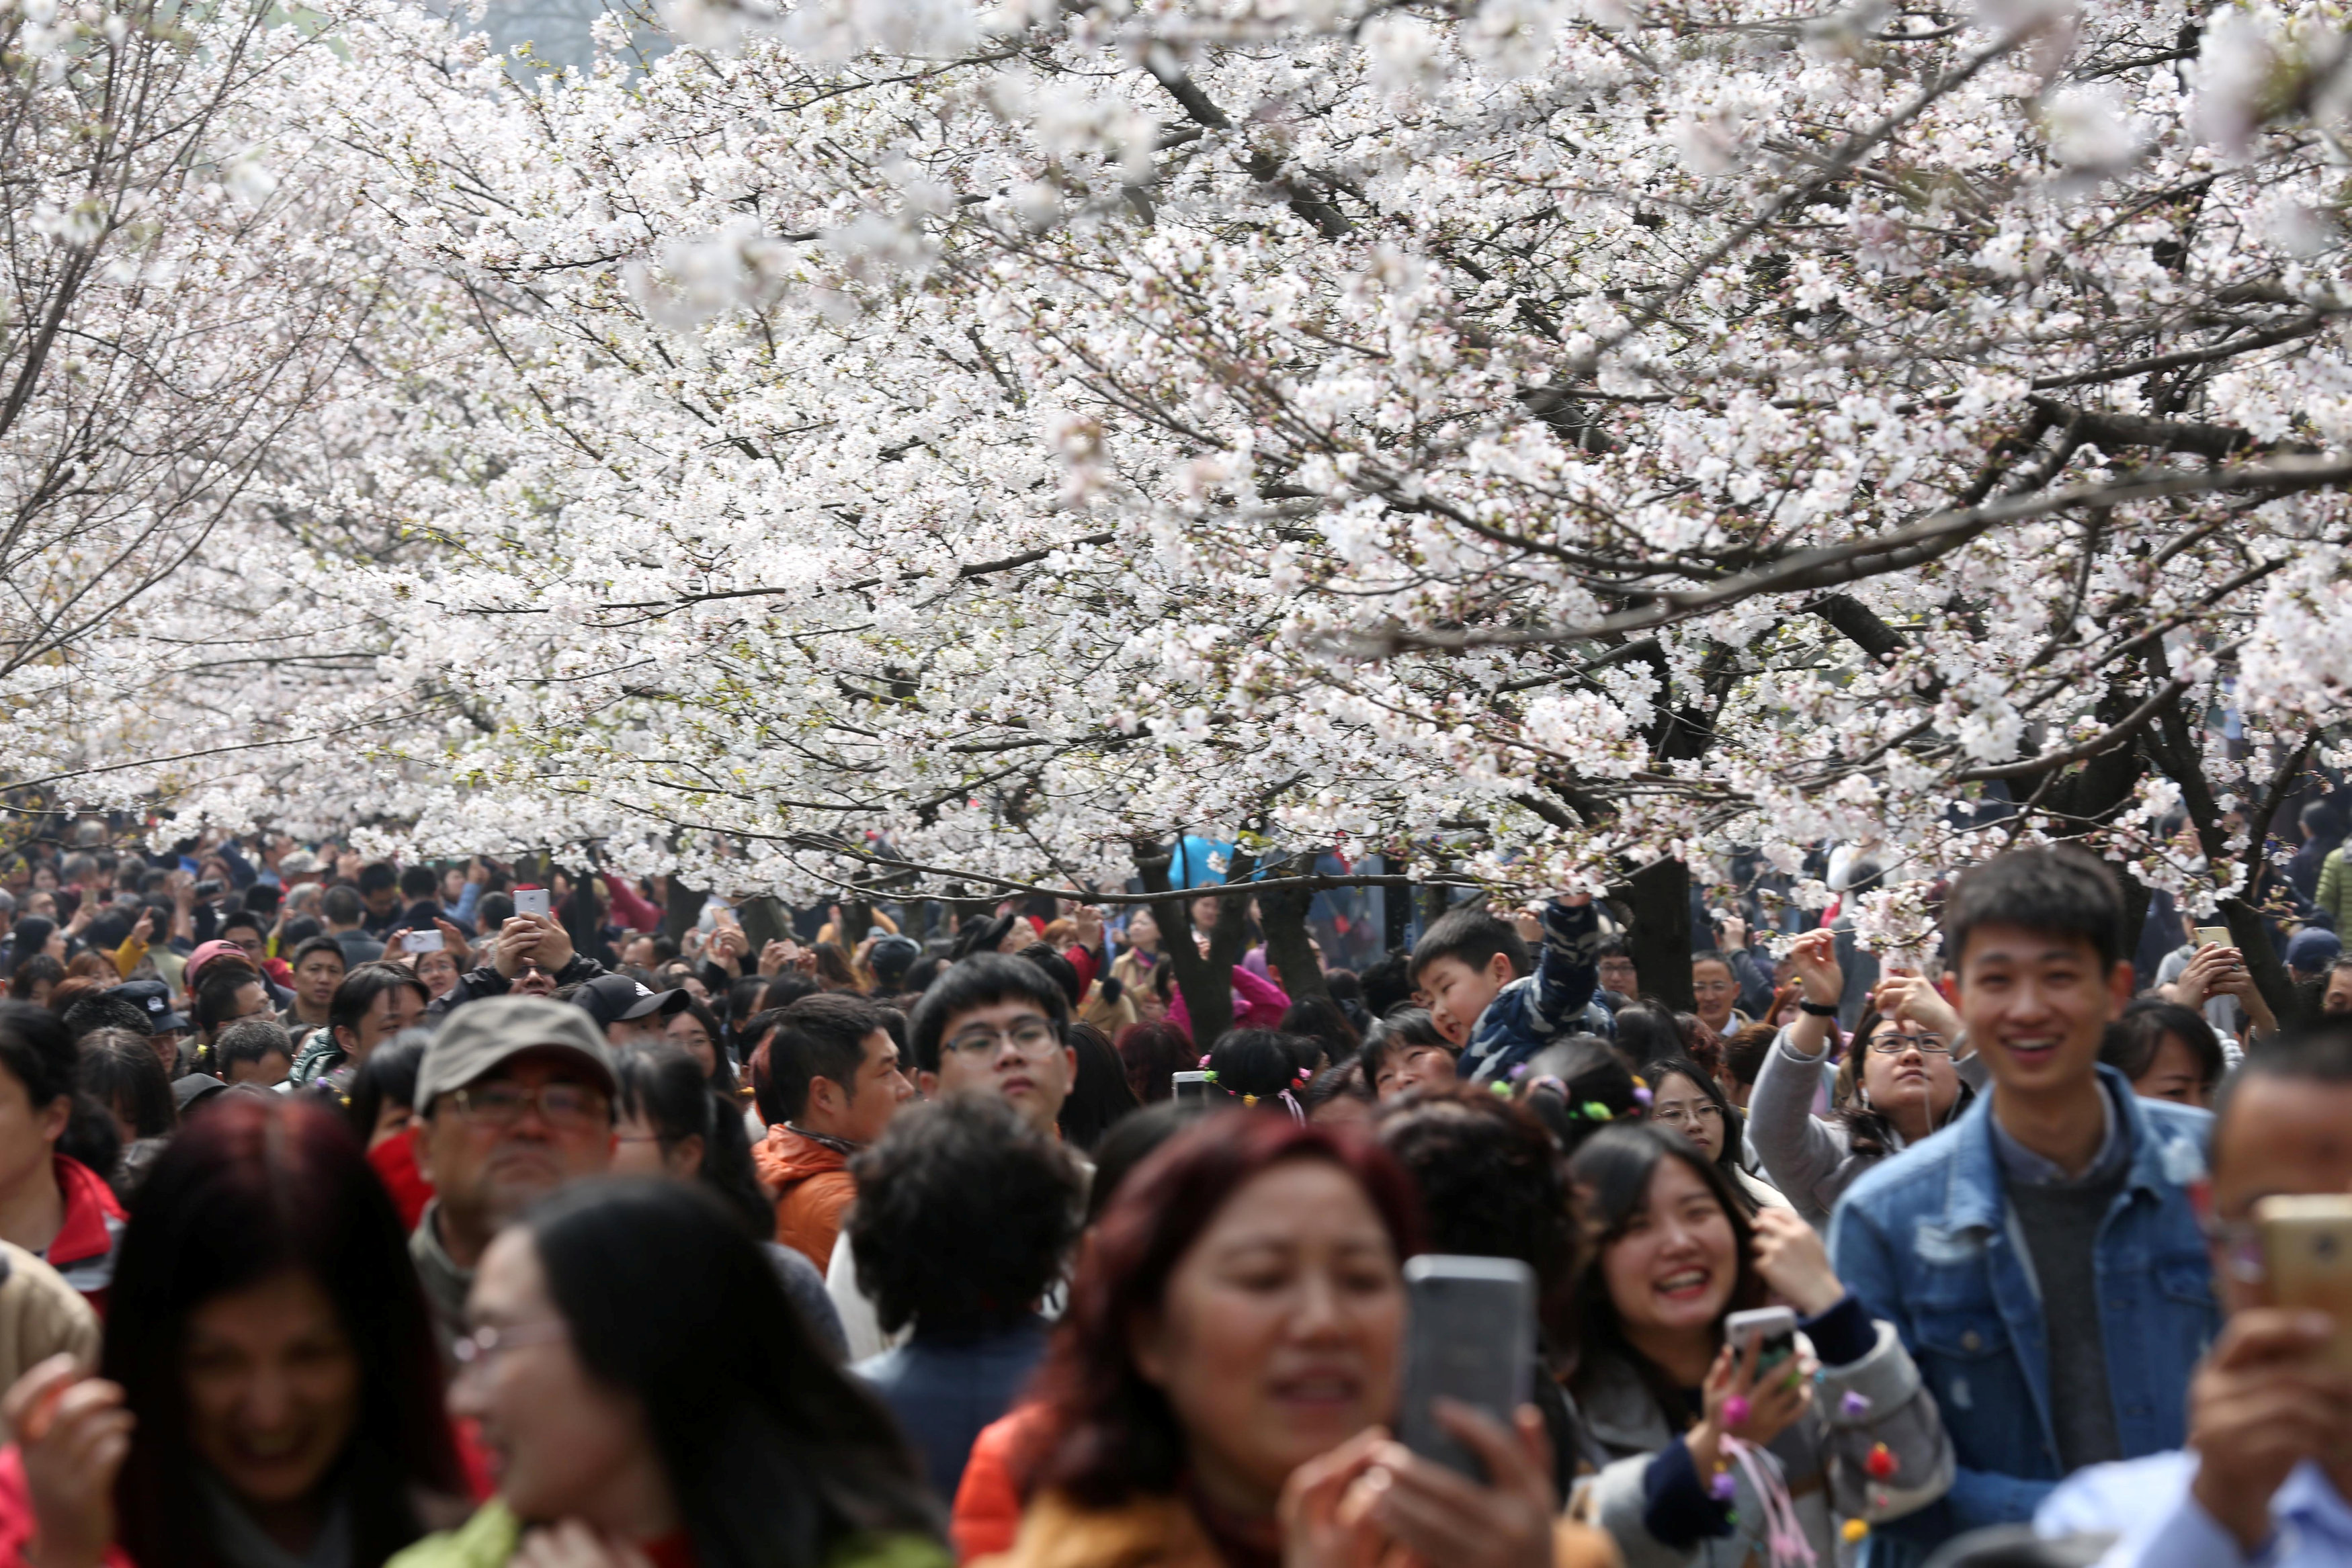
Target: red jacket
[
  {"x": 83, "y": 1250},
  {"x": 987, "y": 1502},
  {"x": 395, "y": 1160},
  {"x": 813, "y": 1187},
  {"x": 17, "y": 1524}
]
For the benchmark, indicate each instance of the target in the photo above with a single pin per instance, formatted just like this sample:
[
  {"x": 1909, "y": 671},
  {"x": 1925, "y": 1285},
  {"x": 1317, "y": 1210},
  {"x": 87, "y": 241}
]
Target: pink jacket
[{"x": 1257, "y": 1004}]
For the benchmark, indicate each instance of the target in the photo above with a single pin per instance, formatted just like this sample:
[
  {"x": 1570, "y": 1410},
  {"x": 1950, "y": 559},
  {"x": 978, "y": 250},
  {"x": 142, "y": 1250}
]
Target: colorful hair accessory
[
  {"x": 1298, "y": 1113},
  {"x": 1735, "y": 1411},
  {"x": 1204, "y": 1060},
  {"x": 1641, "y": 1095},
  {"x": 1881, "y": 1462},
  {"x": 1502, "y": 1089},
  {"x": 1594, "y": 1111},
  {"x": 1854, "y": 1404},
  {"x": 1250, "y": 1100},
  {"x": 1520, "y": 1071},
  {"x": 1724, "y": 1488},
  {"x": 1211, "y": 1077},
  {"x": 1853, "y": 1530},
  {"x": 1640, "y": 1082}
]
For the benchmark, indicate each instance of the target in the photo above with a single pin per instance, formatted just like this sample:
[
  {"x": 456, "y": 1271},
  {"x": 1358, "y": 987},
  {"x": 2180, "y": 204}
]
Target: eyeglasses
[
  {"x": 572, "y": 1106},
  {"x": 1029, "y": 1037},
  {"x": 1897, "y": 1044},
  {"x": 1675, "y": 1115},
  {"x": 478, "y": 1350}
]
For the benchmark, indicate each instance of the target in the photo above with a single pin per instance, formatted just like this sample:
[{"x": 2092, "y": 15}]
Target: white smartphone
[
  {"x": 1189, "y": 1088},
  {"x": 1470, "y": 1337},
  {"x": 422, "y": 942},
  {"x": 1775, "y": 1326},
  {"x": 530, "y": 900}
]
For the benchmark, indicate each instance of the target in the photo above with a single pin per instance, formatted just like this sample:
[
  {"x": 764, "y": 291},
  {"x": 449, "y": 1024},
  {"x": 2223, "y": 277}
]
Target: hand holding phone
[
  {"x": 1470, "y": 1338},
  {"x": 2307, "y": 1256},
  {"x": 530, "y": 900},
  {"x": 422, "y": 942}
]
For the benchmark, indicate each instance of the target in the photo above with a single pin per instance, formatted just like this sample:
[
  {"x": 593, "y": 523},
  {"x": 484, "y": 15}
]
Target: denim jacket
[{"x": 1928, "y": 1242}]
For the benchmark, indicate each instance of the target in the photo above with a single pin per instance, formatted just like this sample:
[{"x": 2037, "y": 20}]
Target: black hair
[
  {"x": 823, "y": 1035},
  {"x": 665, "y": 1086},
  {"x": 389, "y": 1074},
  {"x": 980, "y": 981},
  {"x": 723, "y": 1067},
  {"x": 1058, "y": 969},
  {"x": 1578, "y": 1087},
  {"x": 262, "y": 900},
  {"x": 921, "y": 973},
  {"x": 36, "y": 1048},
  {"x": 1869, "y": 1132},
  {"x": 2131, "y": 1045},
  {"x": 1345, "y": 1081},
  {"x": 1612, "y": 1174},
  {"x": 1647, "y": 1029},
  {"x": 1387, "y": 983},
  {"x": 1473, "y": 936},
  {"x": 358, "y": 990},
  {"x": 300, "y": 929},
  {"x": 32, "y": 971},
  {"x": 118, "y": 1070},
  {"x": 965, "y": 1215},
  {"x": 245, "y": 917},
  {"x": 2058, "y": 888},
  {"x": 1493, "y": 1185},
  {"x": 773, "y": 1454},
  {"x": 1131, "y": 1143},
  {"x": 1255, "y": 1065},
  {"x": 492, "y": 911},
  {"x": 1099, "y": 1096},
  {"x": 1403, "y": 1028},
  {"x": 341, "y": 906},
  {"x": 743, "y": 1004},
  {"x": 1322, "y": 1020},
  {"x": 1744, "y": 1052},
  {"x": 104, "y": 1009},
  {"x": 249, "y": 1039},
  {"x": 377, "y": 875},
  {"x": 2316, "y": 1052},
  {"x": 419, "y": 883}
]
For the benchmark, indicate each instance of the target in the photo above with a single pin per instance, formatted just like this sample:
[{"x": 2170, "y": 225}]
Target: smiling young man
[{"x": 2041, "y": 1259}]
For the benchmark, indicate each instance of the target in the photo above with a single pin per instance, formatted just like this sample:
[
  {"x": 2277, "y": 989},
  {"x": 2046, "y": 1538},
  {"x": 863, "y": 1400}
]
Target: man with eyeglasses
[
  {"x": 2267, "y": 1471},
  {"x": 990, "y": 1025},
  {"x": 516, "y": 1098}
]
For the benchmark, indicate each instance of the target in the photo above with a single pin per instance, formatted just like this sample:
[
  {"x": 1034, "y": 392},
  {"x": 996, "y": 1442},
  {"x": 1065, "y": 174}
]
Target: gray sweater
[{"x": 1809, "y": 1159}]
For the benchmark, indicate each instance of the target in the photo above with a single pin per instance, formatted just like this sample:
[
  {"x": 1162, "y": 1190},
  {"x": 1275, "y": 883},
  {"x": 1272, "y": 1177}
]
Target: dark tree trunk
[
  {"x": 681, "y": 908},
  {"x": 1659, "y": 896},
  {"x": 856, "y": 920},
  {"x": 1284, "y": 914},
  {"x": 765, "y": 920}
]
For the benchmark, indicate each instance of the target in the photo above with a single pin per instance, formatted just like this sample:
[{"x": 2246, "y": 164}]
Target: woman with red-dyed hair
[
  {"x": 1216, "y": 1392},
  {"x": 270, "y": 1389}
]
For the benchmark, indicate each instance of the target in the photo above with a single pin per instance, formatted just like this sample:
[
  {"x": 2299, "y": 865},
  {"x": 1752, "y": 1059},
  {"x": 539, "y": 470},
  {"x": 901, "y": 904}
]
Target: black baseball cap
[
  {"x": 616, "y": 998},
  {"x": 152, "y": 997}
]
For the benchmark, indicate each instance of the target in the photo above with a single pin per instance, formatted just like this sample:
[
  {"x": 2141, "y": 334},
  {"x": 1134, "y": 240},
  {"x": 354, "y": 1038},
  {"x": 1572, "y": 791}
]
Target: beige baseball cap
[{"x": 476, "y": 1038}]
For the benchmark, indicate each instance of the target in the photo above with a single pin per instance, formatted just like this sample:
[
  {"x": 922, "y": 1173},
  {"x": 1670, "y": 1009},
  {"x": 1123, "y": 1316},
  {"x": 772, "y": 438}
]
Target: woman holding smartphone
[
  {"x": 1710, "y": 1445},
  {"x": 1218, "y": 1390}
]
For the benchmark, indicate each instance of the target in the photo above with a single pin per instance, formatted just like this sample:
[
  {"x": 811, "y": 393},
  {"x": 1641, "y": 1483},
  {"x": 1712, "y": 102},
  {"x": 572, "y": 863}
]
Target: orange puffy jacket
[{"x": 813, "y": 1186}]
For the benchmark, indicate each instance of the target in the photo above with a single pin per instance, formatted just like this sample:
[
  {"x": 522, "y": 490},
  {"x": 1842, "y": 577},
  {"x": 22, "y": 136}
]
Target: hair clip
[
  {"x": 1519, "y": 1070},
  {"x": 1204, "y": 1059},
  {"x": 1641, "y": 1095},
  {"x": 1594, "y": 1111},
  {"x": 1250, "y": 1100},
  {"x": 1210, "y": 1076}
]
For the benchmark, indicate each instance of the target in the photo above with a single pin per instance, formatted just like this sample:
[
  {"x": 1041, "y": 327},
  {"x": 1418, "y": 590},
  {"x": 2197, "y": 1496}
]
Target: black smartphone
[{"x": 1470, "y": 1338}]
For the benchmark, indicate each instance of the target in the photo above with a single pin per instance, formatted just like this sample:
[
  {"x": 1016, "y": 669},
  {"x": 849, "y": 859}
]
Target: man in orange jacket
[{"x": 832, "y": 1084}]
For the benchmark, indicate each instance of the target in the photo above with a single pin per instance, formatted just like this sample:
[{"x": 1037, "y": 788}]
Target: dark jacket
[
  {"x": 944, "y": 1389},
  {"x": 485, "y": 981}
]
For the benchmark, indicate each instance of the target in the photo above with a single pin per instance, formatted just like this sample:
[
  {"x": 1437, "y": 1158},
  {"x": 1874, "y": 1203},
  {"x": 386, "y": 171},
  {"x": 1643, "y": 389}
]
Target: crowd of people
[{"x": 354, "y": 1214}]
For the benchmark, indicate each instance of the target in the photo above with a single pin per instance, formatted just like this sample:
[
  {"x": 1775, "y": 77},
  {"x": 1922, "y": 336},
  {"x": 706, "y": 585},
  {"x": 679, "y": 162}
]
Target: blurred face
[
  {"x": 1675, "y": 1267},
  {"x": 46, "y": 878},
  {"x": 2035, "y": 1003},
  {"x": 1204, "y": 915},
  {"x": 251, "y": 1001},
  {"x": 315, "y": 979},
  {"x": 247, "y": 941},
  {"x": 392, "y": 1119},
  {"x": 1008, "y": 1047},
  {"x": 1142, "y": 931},
  {"x": 1680, "y": 1105},
  {"x": 273, "y": 1387},
  {"x": 1458, "y": 993},
  {"x": 439, "y": 971},
  {"x": 2277, "y": 1137},
  {"x": 394, "y": 1008},
  {"x": 638, "y": 1151},
  {"x": 2337, "y": 998},
  {"x": 541, "y": 1120},
  {"x": 1278, "y": 1337},
  {"x": 861, "y": 1115},
  {"x": 1017, "y": 936},
  {"x": 383, "y": 901},
  {"x": 640, "y": 953},
  {"x": 27, "y": 1137},
  {"x": 1617, "y": 975},
  {"x": 2174, "y": 1074},
  {"x": 531, "y": 980},
  {"x": 686, "y": 1032},
  {"x": 1900, "y": 1069},
  {"x": 166, "y": 1043},
  {"x": 561, "y": 1444},
  {"x": 1413, "y": 1067},
  {"x": 1714, "y": 990},
  {"x": 271, "y": 1069}
]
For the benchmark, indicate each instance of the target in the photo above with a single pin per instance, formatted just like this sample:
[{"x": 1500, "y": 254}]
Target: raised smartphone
[
  {"x": 2307, "y": 1253},
  {"x": 422, "y": 942},
  {"x": 1775, "y": 1326},
  {"x": 1471, "y": 1338},
  {"x": 1189, "y": 1088},
  {"x": 2213, "y": 936},
  {"x": 530, "y": 900}
]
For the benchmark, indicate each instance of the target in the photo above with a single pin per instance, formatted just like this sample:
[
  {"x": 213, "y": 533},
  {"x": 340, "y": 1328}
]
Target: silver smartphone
[
  {"x": 1470, "y": 1338},
  {"x": 1189, "y": 1088},
  {"x": 530, "y": 900},
  {"x": 1775, "y": 1326},
  {"x": 423, "y": 942}
]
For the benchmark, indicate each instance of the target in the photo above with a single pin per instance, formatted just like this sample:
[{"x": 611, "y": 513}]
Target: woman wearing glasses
[
  {"x": 1898, "y": 1085},
  {"x": 1683, "y": 1099}
]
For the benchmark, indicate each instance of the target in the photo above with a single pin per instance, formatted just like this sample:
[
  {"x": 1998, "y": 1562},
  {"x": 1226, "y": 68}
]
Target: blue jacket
[
  {"x": 944, "y": 1390},
  {"x": 1547, "y": 1006},
  {"x": 1927, "y": 1241}
]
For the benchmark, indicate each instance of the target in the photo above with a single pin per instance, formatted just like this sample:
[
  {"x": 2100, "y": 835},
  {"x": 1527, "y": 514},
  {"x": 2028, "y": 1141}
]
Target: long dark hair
[
  {"x": 257, "y": 1184},
  {"x": 1734, "y": 1128},
  {"x": 773, "y": 1454},
  {"x": 1108, "y": 1434},
  {"x": 1612, "y": 1172},
  {"x": 665, "y": 1086},
  {"x": 1100, "y": 1096},
  {"x": 35, "y": 1046}
]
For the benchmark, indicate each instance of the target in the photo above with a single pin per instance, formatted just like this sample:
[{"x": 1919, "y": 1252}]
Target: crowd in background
[{"x": 355, "y": 1213}]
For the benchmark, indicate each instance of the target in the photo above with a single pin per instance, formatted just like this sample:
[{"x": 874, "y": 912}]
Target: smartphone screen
[
  {"x": 1471, "y": 1338},
  {"x": 421, "y": 942},
  {"x": 1189, "y": 1088},
  {"x": 1776, "y": 1327},
  {"x": 530, "y": 900}
]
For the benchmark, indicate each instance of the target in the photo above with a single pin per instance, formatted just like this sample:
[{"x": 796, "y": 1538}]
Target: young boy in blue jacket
[
  {"x": 2041, "y": 1257},
  {"x": 1493, "y": 1002}
]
